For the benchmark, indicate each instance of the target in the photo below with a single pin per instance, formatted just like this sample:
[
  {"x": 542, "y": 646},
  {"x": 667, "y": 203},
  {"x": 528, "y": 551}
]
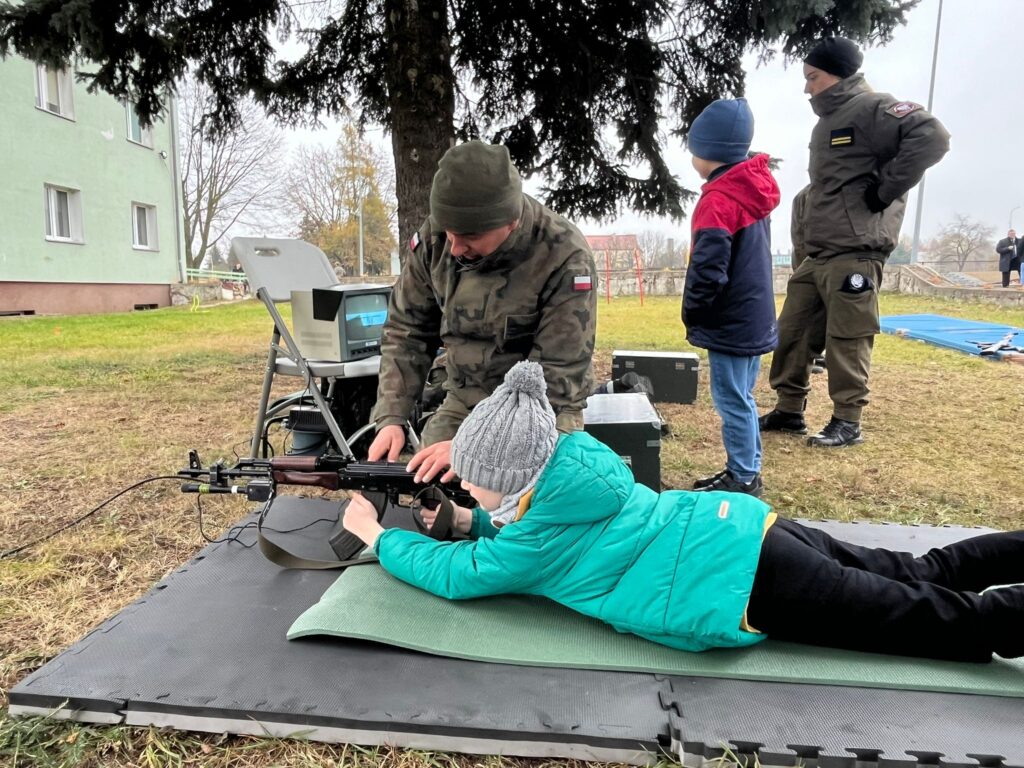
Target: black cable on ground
[
  {"x": 87, "y": 515},
  {"x": 232, "y": 535}
]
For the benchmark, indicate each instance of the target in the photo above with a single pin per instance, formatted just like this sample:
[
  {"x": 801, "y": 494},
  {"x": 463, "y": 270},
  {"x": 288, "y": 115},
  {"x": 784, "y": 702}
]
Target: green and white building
[{"x": 89, "y": 199}]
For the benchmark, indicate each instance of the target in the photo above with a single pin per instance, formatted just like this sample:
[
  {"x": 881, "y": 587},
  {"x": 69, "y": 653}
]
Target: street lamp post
[
  {"x": 360, "y": 215},
  {"x": 920, "y": 190}
]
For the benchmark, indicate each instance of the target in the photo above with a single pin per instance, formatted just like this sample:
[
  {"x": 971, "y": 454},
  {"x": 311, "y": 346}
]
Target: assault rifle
[
  {"x": 993, "y": 348},
  {"x": 381, "y": 482}
]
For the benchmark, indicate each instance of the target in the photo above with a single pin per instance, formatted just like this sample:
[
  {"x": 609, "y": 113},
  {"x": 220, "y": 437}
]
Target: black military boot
[
  {"x": 818, "y": 364},
  {"x": 782, "y": 421},
  {"x": 837, "y": 434},
  {"x": 724, "y": 481}
]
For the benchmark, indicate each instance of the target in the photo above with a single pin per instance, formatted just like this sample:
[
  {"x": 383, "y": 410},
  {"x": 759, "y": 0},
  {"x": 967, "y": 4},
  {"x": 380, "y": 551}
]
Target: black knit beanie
[{"x": 838, "y": 56}]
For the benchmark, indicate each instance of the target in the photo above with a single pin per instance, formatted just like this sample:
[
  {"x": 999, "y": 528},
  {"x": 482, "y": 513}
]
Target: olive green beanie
[{"x": 476, "y": 189}]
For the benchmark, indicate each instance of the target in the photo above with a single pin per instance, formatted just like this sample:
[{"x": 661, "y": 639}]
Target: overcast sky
[{"x": 979, "y": 96}]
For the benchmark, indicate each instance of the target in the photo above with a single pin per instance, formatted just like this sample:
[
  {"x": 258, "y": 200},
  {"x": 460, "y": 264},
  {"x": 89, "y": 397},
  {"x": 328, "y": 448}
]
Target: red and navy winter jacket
[{"x": 729, "y": 304}]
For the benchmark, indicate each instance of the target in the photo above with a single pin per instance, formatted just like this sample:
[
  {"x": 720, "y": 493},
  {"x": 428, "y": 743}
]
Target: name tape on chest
[
  {"x": 841, "y": 137},
  {"x": 582, "y": 283},
  {"x": 903, "y": 108}
]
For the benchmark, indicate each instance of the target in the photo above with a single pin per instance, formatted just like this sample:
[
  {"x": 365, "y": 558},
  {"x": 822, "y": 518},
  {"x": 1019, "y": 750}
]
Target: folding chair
[{"x": 276, "y": 267}]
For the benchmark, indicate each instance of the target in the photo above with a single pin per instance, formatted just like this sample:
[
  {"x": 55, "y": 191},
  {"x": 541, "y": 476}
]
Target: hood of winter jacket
[
  {"x": 574, "y": 465},
  {"x": 750, "y": 184}
]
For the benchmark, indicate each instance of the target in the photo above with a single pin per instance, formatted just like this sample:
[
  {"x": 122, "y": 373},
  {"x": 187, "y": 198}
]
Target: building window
[
  {"x": 53, "y": 91},
  {"x": 144, "y": 227},
  {"x": 136, "y": 131},
  {"x": 63, "y": 214}
]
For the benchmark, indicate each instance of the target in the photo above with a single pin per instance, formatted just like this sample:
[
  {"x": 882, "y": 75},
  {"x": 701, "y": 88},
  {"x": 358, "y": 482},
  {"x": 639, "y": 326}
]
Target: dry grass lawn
[{"x": 93, "y": 404}]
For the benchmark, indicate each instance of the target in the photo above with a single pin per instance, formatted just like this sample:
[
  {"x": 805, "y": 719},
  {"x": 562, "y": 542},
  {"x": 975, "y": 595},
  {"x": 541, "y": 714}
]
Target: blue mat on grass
[{"x": 952, "y": 332}]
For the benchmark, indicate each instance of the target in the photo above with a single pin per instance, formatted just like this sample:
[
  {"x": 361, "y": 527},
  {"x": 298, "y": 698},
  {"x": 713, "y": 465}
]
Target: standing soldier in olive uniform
[
  {"x": 497, "y": 278},
  {"x": 868, "y": 150}
]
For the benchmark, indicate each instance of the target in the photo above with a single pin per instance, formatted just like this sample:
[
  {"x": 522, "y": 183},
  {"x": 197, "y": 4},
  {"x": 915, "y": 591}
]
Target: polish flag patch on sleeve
[
  {"x": 582, "y": 283},
  {"x": 414, "y": 241}
]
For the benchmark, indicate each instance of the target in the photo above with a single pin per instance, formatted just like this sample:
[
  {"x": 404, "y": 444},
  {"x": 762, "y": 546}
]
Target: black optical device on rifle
[{"x": 381, "y": 482}]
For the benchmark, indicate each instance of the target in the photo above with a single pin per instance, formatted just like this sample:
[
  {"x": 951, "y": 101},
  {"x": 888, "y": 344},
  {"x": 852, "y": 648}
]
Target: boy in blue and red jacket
[{"x": 728, "y": 303}]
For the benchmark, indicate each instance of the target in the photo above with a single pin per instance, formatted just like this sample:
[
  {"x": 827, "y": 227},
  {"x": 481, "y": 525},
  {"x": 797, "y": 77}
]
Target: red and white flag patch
[
  {"x": 414, "y": 241},
  {"x": 582, "y": 283}
]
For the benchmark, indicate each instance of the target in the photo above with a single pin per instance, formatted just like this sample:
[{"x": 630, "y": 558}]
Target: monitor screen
[{"x": 365, "y": 314}]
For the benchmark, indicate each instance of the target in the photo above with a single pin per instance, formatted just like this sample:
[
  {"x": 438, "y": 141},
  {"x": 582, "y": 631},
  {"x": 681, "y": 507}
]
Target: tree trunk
[{"x": 421, "y": 97}]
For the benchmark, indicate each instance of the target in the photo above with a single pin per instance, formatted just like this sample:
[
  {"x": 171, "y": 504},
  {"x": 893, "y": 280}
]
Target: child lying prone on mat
[{"x": 561, "y": 516}]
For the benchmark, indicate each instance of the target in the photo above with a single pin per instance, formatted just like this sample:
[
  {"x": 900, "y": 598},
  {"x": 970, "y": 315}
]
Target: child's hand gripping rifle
[{"x": 381, "y": 482}]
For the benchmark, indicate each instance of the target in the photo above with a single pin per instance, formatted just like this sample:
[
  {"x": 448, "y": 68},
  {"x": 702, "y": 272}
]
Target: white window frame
[
  {"x": 60, "y": 103},
  {"x": 152, "y": 242},
  {"x": 52, "y": 229},
  {"x": 132, "y": 122}
]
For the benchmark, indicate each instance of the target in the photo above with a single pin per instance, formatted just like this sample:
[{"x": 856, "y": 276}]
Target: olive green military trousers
[{"x": 832, "y": 306}]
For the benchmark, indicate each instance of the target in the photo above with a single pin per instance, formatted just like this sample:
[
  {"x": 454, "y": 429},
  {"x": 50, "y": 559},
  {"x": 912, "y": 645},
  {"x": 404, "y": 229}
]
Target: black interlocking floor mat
[{"x": 206, "y": 650}]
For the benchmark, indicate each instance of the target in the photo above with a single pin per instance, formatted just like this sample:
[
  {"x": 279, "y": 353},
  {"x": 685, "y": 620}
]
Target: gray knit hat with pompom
[{"x": 509, "y": 437}]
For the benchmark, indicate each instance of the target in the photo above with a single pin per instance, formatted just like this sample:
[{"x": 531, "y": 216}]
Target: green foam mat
[{"x": 366, "y": 603}]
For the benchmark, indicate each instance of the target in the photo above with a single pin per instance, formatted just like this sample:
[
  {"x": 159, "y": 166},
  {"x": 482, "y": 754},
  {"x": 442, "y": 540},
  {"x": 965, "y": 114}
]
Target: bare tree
[
  {"x": 961, "y": 239},
  {"x": 652, "y": 246},
  {"x": 311, "y": 188},
  {"x": 329, "y": 189},
  {"x": 228, "y": 178}
]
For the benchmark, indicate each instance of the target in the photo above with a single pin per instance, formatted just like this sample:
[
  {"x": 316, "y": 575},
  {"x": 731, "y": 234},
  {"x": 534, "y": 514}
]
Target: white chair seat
[{"x": 327, "y": 369}]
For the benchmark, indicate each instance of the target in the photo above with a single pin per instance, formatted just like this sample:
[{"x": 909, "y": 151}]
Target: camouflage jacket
[
  {"x": 533, "y": 298},
  {"x": 862, "y": 138}
]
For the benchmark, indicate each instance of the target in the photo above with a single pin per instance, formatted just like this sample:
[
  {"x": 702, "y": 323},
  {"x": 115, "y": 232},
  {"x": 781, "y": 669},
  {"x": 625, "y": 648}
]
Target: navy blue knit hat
[{"x": 722, "y": 132}]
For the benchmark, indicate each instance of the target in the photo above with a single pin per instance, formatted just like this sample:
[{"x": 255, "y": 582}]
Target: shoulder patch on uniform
[
  {"x": 582, "y": 283},
  {"x": 414, "y": 241},
  {"x": 902, "y": 108},
  {"x": 841, "y": 137}
]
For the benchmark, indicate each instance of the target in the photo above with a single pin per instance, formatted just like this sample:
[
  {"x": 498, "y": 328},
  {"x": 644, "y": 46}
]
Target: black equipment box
[
  {"x": 673, "y": 375},
  {"x": 628, "y": 424}
]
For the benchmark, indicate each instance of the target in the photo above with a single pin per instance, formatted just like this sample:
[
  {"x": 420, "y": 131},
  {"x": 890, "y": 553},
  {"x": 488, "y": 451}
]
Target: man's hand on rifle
[
  {"x": 361, "y": 520},
  {"x": 388, "y": 443},
  {"x": 431, "y": 460}
]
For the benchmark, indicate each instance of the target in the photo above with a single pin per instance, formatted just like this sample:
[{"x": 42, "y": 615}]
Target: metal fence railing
[{"x": 213, "y": 274}]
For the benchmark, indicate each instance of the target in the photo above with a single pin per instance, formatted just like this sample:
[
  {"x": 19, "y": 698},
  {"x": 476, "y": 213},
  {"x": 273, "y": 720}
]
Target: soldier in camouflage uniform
[
  {"x": 868, "y": 150},
  {"x": 496, "y": 278}
]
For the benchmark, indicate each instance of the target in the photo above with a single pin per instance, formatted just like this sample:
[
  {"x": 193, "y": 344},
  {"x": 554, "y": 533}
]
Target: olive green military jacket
[
  {"x": 862, "y": 138},
  {"x": 533, "y": 298},
  {"x": 796, "y": 227}
]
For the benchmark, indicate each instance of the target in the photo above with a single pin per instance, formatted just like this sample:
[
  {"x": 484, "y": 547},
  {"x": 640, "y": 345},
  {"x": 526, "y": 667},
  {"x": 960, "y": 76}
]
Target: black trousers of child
[{"x": 812, "y": 588}]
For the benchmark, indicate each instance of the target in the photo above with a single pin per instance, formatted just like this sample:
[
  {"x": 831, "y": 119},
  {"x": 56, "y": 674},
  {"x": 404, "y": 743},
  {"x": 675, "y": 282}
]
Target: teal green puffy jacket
[{"x": 675, "y": 567}]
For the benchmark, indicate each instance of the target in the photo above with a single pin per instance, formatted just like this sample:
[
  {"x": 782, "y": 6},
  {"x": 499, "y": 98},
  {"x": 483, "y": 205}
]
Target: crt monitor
[
  {"x": 357, "y": 313},
  {"x": 363, "y": 314}
]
